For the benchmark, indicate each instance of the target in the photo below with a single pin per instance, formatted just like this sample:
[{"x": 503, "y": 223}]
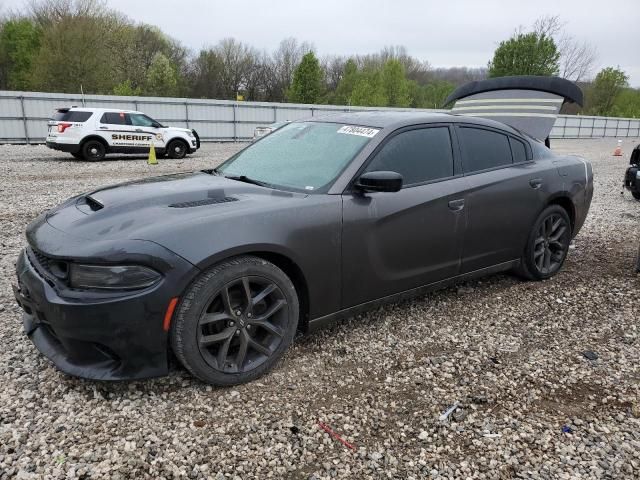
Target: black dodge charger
[{"x": 321, "y": 219}]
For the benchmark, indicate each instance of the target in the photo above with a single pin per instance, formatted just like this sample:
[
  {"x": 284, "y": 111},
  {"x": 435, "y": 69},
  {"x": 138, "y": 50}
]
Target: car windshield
[{"x": 302, "y": 156}]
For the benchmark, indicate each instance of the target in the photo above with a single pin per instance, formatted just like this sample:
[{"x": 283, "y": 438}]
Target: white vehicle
[{"x": 91, "y": 133}]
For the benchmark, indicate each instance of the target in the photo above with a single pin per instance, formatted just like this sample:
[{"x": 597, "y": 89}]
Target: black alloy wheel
[
  {"x": 177, "y": 149},
  {"x": 243, "y": 325},
  {"x": 93, "y": 150},
  {"x": 235, "y": 321},
  {"x": 548, "y": 244}
]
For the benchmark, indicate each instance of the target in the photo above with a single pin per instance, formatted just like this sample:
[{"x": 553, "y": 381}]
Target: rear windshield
[{"x": 72, "y": 116}]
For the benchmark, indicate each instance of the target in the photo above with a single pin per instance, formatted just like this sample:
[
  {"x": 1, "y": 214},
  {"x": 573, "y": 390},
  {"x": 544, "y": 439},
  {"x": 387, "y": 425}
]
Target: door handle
[
  {"x": 456, "y": 205},
  {"x": 535, "y": 183},
  {"x": 104, "y": 128},
  {"x": 139, "y": 130}
]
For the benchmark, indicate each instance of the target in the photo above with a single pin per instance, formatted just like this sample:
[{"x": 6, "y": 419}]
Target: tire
[
  {"x": 225, "y": 336},
  {"x": 93, "y": 150},
  {"x": 78, "y": 155},
  {"x": 177, "y": 149},
  {"x": 636, "y": 195},
  {"x": 547, "y": 245}
]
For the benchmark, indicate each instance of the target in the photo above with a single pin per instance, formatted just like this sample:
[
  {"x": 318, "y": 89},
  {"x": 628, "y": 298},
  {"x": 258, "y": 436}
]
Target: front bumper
[{"x": 95, "y": 336}]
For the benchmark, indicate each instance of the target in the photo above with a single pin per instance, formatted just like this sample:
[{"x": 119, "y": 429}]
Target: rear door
[
  {"x": 394, "y": 242},
  {"x": 507, "y": 190}
]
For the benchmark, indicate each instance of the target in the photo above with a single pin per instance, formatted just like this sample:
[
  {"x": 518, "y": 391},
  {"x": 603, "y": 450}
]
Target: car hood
[
  {"x": 144, "y": 209},
  {"x": 177, "y": 129}
]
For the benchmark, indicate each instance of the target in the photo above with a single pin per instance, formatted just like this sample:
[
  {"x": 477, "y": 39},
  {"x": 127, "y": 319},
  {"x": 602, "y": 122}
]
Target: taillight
[{"x": 63, "y": 126}]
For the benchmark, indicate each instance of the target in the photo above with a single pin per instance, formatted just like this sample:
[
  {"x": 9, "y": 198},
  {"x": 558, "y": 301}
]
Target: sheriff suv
[{"x": 91, "y": 133}]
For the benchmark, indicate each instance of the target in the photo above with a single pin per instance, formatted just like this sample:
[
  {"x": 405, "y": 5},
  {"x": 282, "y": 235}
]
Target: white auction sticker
[{"x": 361, "y": 131}]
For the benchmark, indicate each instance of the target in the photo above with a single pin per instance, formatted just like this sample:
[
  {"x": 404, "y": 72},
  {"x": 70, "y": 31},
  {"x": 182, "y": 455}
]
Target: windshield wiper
[{"x": 245, "y": 179}]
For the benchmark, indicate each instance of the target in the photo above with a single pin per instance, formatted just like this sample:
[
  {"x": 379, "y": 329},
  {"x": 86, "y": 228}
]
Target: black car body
[
  {"x": 345, "y": 248},
  {"x": 632, "y": 175}
]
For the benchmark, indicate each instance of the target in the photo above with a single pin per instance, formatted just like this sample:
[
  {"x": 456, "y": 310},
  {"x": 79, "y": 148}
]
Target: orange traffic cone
[{"x": 618, "y": 151}]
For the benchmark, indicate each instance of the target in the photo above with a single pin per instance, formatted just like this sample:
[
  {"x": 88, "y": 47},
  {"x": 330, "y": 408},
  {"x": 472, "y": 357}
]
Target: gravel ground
[{"x": 509, "y": 353}]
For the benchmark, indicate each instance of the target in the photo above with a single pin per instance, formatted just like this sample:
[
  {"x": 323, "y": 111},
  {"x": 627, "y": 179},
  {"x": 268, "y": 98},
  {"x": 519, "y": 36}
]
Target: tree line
[{"x": 66, "y": 45}]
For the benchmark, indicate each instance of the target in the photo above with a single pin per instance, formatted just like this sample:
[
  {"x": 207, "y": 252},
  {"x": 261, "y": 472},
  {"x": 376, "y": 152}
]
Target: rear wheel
[
  {"x": 78, "y": 155},
  {"x": 93, "y": 150},
  {"x": 548, "y": 244},
  {"x": 235, "y": 321},
  {"x": 636, "y": 195},
  {"x": 177, "y": 149}
]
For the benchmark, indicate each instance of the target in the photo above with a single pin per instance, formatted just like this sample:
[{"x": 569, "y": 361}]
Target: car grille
[{"x": 204, "y": 201}]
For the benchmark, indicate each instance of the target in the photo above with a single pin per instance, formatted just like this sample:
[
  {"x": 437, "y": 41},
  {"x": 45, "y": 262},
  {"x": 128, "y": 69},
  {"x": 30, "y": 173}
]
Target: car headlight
[{"x": 115, "y": 277}]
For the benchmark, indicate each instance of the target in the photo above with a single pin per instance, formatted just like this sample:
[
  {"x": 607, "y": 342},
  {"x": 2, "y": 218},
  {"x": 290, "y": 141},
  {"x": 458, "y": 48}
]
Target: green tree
[
  {"x": 525, "y": 54},
  {"x": 627, "y": 103},
  {"x": 606, "y": 88},
  {"x": 347, "y": 82},
  {"x": 75, "y": 51},
  {"x": 433, "y": 94},
  {"x": 162, "y": 79},
  {"x": 307, "y": 81},
  {"x": 19, "y": 44},
  {"x": 126, "y": 89},
  {"x": 395, "y": 84},
  {"x": 369, "y": 90}
]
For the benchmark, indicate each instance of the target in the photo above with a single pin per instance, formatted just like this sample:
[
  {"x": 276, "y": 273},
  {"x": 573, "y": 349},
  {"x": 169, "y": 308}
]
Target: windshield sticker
[
  {"x": 308, "y": 187},
  {"x": 360, "y": 131}
]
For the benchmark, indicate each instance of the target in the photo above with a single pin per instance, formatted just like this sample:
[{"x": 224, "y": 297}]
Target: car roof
[
  {"x": 399, "y": 119},
  {"x": 89, "y": 109}
]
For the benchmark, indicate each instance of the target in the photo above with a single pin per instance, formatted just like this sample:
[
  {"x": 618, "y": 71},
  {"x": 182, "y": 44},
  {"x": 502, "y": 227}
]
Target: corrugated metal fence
[{"x": 24, "y": 115}]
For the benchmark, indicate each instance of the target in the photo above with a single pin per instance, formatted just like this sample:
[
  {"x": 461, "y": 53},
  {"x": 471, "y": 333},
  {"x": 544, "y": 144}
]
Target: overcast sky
[{"x": 444, "y": 33}]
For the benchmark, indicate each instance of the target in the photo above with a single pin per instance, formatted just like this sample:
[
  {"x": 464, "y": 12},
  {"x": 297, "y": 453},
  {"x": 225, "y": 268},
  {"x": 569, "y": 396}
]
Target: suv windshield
[{"x": 302, "y": 155}]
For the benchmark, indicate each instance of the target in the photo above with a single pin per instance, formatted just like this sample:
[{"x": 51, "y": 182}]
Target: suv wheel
[
  {"x": 93, "y": 150},
  {"x": 177, "y": 149},
  {"x": 636, "y": 195},
  {"x": 548, "y": 244},
  {"x": 235, "y": 321}
]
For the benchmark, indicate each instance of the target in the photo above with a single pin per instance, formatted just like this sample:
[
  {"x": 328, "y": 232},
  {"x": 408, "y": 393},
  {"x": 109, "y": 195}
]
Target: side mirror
[{"x": 379, "y": 182}]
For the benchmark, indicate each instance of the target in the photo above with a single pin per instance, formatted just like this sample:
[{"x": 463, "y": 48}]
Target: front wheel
[
  {"x": 547, "y": 245},
  {"x": 235, "y": 321},
  {"x": 177, "y": 149}
]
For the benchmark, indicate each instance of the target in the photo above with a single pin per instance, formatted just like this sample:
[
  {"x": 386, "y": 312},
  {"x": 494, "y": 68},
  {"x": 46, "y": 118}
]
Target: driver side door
[
  {"x": 142, "y": 124},
  {"x": 393, "y": 242}
]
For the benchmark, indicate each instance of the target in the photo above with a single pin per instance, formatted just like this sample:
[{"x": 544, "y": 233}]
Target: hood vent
[
  {"x": 204, "y": 201},
  {"x": 93, "y": 203}
]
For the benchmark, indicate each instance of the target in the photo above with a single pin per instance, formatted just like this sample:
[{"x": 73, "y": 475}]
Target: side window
[
  {"x": 484, "y": 149},
  {"x": 72, "y": 116},
  {"x": 420, "y": 155},
  {"x": 139, "y": 120},
  {"x": 114, "y": 118},
  {"x": 518, "y": 150}
]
